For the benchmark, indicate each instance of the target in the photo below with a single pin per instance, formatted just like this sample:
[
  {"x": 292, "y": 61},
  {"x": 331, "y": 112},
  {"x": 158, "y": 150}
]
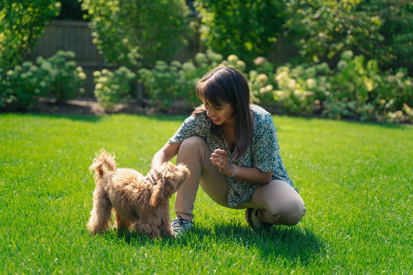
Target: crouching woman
[{"x": 231, "y": 148}]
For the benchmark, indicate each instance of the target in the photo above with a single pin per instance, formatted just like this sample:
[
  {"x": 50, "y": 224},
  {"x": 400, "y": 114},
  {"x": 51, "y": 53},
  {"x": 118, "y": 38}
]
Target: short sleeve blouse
[{"x": 262, "y": 153}]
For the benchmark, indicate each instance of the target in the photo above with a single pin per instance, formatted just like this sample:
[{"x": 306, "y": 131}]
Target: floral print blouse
[{"x": 262, "y": 153}]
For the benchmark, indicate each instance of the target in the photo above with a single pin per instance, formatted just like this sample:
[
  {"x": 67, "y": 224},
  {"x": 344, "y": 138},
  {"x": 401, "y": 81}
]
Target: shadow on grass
[{"x": 294, "y": 244}]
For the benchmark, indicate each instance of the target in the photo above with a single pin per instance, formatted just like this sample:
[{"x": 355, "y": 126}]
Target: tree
[
  {"x": 377, "y": 29},
  {"x": 21, "y": 24},
  {"x": 326, "y": 28},
  {"x": 247, "y": 28},
  {"x": 396, "y": 30},
  {"x": 136, "y": 33}
]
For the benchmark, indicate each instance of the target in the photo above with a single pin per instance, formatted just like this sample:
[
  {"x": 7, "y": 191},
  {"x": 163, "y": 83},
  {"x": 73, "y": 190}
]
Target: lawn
[{"x": 356, "y": 180}]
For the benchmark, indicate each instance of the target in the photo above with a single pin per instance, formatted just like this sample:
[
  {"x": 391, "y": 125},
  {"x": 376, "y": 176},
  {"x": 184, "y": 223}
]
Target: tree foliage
[
  {"x": 137, "y": 32},
  {"x": 245, "y": 28},
  {"x": 21, "y": 24},
  {"x": 396, "y": 30},
  {"x": 326, "y": 28},
  {"x": 377, "y": 29}
]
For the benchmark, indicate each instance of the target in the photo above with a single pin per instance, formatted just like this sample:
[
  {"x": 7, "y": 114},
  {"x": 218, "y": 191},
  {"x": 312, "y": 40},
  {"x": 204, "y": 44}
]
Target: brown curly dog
[{"x": 137, "y": 203}]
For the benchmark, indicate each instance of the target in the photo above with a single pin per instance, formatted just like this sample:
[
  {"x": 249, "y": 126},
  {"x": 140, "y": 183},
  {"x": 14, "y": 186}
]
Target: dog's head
[{"x": 169, "y": 180}]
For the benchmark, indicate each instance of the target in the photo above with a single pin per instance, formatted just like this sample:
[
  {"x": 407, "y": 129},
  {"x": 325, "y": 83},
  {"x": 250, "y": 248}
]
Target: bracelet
[{"x": 235, "y": 170}]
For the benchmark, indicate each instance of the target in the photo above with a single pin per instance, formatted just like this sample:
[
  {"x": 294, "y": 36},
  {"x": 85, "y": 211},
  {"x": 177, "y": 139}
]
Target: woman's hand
[
  {"x": 220, "y": 159},
  {"x": 152, "y": 176},
  {"x": 167, "y": 152}
]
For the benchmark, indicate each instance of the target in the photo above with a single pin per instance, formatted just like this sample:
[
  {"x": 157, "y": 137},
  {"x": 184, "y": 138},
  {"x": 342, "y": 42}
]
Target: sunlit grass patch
[{"x": 356, "y": 180}]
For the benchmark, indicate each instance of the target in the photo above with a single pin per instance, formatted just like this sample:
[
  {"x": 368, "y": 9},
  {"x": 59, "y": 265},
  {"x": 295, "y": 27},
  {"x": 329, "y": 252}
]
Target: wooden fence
[
  {"x": 72, "y": 36},
  {"x": 76, "y": 36}
]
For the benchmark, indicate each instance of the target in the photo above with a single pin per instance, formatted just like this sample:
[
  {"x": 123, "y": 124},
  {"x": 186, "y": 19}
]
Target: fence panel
[{"x": 72, "y": 36}]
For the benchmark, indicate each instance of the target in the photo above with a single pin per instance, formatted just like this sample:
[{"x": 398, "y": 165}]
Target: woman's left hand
[{"x": 220, "y": 159}]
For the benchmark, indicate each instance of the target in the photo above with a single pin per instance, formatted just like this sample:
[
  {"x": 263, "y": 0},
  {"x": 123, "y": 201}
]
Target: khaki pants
[{"x": 281, "y": 202}]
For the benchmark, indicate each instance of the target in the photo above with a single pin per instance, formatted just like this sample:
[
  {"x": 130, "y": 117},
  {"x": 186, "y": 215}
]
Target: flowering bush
[
  {"x": 233, "y": 61},
  {"x": 62, "y": 76},
  {"x": 360, "y": 90},
  {"x": 21, "y": 86},
  {"x": 354, "y": 89},
  {"x": 166, "y": 84},
  {"x": 112, "y": 87},
  {"x": 261, "y": 88},
  {"x": 58, "y": 77}
]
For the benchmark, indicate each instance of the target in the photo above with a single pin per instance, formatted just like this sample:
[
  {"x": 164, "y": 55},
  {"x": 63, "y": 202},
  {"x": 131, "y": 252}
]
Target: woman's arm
[
  {"x": 167, "y": 152},
  {"x": 251, "y": 175}
]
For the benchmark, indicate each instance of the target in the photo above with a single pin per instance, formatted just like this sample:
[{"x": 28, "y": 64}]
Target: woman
[{"x": 231, "y": 149}]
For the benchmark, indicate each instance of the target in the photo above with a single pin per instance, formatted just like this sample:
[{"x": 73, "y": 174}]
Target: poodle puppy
[{"x": 137, "y": 203}]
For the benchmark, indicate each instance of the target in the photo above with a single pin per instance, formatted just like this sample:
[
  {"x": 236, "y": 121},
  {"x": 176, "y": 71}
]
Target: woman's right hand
[
  {"x": 167, "y": 152},
  {"x": 153, "y": 176}
]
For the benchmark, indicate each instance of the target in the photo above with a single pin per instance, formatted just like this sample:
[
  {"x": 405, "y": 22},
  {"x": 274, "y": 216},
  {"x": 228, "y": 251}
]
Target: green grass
[{"x": 356, "y": 180}]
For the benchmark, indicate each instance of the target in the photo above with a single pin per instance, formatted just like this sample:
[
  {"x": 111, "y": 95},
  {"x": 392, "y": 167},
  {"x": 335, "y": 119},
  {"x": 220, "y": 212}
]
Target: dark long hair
[{"x": 226, "y": 84}]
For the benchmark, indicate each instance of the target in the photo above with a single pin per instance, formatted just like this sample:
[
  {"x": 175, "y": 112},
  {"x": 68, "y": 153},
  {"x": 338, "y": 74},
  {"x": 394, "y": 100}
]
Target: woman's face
[{"x": 220, "y": 115}]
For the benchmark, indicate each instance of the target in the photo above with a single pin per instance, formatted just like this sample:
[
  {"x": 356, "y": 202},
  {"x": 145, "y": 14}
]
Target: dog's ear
[
  {"x": 182, "y": 172},
  {"x": 157, "y": 196},
  {"x": 171, "y": 177}
]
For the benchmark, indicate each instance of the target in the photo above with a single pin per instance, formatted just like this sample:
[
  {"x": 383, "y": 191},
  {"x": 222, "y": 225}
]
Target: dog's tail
[{"x": 102, "y": 163}]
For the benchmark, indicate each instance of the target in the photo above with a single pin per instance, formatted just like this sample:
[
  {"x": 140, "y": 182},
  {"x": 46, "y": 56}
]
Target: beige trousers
[{"x": 280, "y": 202}]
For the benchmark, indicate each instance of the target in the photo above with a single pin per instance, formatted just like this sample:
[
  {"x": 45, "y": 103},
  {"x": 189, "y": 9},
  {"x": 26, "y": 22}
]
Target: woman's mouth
[{"x": 215, "y": 120}]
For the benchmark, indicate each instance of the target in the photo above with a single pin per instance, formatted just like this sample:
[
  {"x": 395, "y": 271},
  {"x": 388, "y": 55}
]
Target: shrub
[
  {"x": 234, "y": 61},
  {"x": 161, "y": 83},
  {"x": 112, "y": 87},
  {"x": 352, "y": 88},
  {"x": 300, "y": 89},
  {"x": 360, "y": 90},
  {"x": 62, "y": 76},
  {"x": 21, "y": 87},
  {"x": 394, "y": 95},
  {"x": 166, "y": 84},
  {"x": 57, "y": 77},
  {"x": 355, "y": 89},
  {"x": 261, "y": 88}
]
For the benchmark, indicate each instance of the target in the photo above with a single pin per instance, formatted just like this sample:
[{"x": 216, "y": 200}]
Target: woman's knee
[
  {"x": 192, "y": 147},
  {"x": 282, "y": 203},
  {"x": 292, "y": 211},
  {"x": 193, "y": 143}
]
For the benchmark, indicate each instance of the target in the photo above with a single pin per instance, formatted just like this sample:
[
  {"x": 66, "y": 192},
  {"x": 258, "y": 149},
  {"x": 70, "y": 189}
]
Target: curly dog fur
[{"x": 137, "y": 204}]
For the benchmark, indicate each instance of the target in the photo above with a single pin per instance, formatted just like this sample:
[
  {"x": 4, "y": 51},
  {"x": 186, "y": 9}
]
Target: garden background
[
  {"x": 350, "y": 60},
  {"x": 305, "y": 61}
]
